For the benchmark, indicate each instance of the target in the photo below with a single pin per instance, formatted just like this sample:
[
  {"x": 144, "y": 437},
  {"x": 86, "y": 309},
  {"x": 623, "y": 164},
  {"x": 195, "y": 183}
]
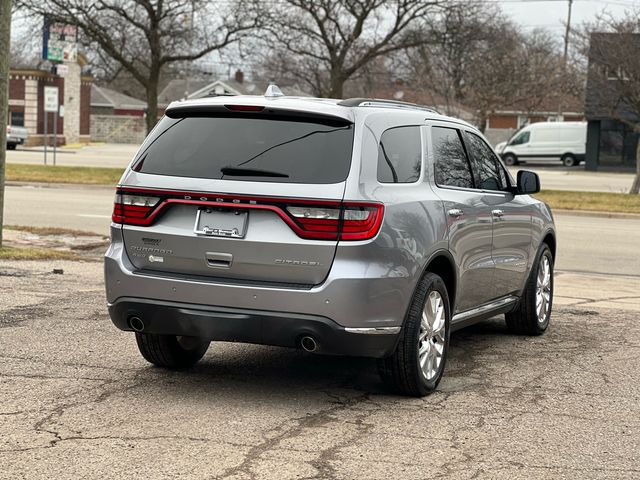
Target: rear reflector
[{"x": 310, "y": 219}]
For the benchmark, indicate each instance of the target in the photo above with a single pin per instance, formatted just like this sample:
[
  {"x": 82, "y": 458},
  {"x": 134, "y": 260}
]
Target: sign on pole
[
  {"x": 50, "y": 99},
  {"x": 59, "y": 41},
  {"x": 50, "y": 105}
]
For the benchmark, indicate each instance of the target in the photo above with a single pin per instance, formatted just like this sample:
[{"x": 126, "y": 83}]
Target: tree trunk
[
  {"x": 5, "y": 42},
  {"x": 337, "y": 85},
  {"x": 635, "y": 188},
  {"x": 152, "y": 102}
]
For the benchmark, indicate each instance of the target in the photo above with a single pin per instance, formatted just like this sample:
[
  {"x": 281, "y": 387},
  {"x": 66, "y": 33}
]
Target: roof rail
[{"x": 377, "y": 102}]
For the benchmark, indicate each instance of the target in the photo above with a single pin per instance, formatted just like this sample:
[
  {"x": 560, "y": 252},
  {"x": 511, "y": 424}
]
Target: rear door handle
[
  {"x": 497, "y": 213},
  {"x": 455, "y": 212},
  {"x": 218, "y": 259}
]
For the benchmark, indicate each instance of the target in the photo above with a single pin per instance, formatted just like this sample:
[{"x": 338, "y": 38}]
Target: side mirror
[{"x": 528, "y": 182}]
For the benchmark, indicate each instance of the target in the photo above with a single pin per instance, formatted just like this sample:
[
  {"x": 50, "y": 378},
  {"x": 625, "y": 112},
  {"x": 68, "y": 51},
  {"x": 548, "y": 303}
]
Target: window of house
[
  {"x": 489, "y": 173},
  {"x": 400, "y": 155},
  {"x": 452, "y": 168},
  {"x": 16, "y": 119}
]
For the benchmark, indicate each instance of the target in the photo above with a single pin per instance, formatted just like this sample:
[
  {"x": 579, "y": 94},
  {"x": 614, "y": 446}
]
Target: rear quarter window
[
  {"x": 267, "y": 149},
  {"x": 400, "y": 155}
]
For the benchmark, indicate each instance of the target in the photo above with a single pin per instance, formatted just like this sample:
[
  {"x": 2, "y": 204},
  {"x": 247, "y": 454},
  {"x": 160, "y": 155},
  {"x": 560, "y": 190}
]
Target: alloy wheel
[
  {"x": 543, "y": 289},
  {"x": 431, "y": 339}
]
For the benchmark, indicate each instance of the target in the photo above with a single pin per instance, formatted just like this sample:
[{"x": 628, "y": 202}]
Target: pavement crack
[{"x": 312, "y": 421}]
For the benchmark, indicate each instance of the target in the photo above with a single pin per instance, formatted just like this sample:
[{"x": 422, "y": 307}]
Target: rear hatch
[{"x": 242, "y": 196}]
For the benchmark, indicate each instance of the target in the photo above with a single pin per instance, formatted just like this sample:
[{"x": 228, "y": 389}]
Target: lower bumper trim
[
  {"x": 374, "y": 330},
  {"x": 252, "y": 326}
]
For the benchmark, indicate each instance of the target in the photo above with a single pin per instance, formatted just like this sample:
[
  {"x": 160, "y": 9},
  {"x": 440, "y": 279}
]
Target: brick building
[{"x": 26, "y": 104}]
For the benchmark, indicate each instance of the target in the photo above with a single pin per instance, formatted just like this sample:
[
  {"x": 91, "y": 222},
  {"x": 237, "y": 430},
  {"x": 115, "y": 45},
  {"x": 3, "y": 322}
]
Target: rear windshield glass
[{"x": 253, "y": 149}]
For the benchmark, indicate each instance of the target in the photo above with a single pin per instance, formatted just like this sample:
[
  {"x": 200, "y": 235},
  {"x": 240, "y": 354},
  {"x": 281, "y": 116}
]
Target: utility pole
[
  {"x": 565, "y": 58},
  {"x": 5, "y": 44}
]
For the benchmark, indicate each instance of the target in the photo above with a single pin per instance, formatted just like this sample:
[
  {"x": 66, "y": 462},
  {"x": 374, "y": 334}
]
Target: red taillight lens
[
  {"x": 133, "y": 209},
  {"x": 361, "y": 221}
]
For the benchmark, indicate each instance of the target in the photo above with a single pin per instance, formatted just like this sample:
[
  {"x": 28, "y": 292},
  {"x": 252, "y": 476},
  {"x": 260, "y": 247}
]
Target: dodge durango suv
[{"x": 353, "y": 227}]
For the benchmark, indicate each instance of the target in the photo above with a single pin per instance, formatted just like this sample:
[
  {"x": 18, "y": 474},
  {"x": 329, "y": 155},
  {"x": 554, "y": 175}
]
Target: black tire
[
  {"x": 524, "y": 319},
  {"x": 169, "y": 351},
  {"x": 569, "y": 160},
  {"x": 11, "y": 146},
  {"x": 401, "y": 371},
  {"x": 510, "y": 159}
]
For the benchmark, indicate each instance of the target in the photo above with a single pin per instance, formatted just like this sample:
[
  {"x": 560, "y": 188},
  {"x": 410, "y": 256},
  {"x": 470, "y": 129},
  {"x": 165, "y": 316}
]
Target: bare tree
[
  {"x": 613, "y": 82},
  {"x": 475, "y": 55},
  {"x": 324, "y": 43},
  {"x": 5, "y": 42},
  {"x": 144, "y": 37}
]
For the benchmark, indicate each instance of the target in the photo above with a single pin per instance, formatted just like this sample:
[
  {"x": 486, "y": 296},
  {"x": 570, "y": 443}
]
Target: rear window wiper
[{"x": 250, "y": 172}]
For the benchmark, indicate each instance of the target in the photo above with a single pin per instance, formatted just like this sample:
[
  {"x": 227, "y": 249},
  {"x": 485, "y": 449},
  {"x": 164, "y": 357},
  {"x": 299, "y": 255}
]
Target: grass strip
[
  {"x": 52, "y": 231},
  {"x": 18, "y": 172},
  {"x": 591, "y": 201},
  {"x": 35, "y": 253}
]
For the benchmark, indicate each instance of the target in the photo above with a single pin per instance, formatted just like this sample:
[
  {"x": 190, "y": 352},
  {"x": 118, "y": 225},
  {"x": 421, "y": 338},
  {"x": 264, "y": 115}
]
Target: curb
[
  {"x": 87, "y": 186},
  {"x": 589, "y": 213}
]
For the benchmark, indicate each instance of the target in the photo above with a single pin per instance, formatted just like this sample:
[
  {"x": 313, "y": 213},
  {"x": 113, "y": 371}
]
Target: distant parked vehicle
[
  {"x": 15, "y": 136},
  {"x": 546, "y": 141}
]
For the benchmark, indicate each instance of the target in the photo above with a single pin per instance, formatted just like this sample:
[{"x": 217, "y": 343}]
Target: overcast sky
[{"x": 552, "y": 14}]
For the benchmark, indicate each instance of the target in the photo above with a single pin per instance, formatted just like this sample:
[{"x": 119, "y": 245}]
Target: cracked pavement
[{"x": 78, "y": 401}]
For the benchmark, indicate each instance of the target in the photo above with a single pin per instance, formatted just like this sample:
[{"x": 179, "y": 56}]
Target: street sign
[
  {"x": 50, "y": 99},
  {"x": 59, "y": 42},
  {"x": 62, "y": 70}
]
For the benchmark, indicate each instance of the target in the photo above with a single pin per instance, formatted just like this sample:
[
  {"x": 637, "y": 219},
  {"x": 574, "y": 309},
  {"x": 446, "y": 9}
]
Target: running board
[{"x": 469, "y": 317}]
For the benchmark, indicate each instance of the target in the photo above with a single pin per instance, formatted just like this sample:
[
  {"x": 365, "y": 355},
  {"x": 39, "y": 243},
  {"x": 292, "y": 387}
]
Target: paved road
[
  {"x": 105, "y": 155},
  {"x": 590, "y": 244},
  {"x": 78, "y": 401},
  {"x": 553, "y": 176},
  {"x": 80, "y": 208}
]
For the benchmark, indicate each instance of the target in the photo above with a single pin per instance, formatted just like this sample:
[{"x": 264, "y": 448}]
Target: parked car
[
  {"x": 15, "y": 136},
  {"x": 357, "y": 227},
  {"x": 546, "y": 141}
]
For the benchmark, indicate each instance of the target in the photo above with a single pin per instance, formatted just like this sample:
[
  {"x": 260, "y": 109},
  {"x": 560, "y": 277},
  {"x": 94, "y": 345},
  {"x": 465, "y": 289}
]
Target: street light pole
[{"x": 565, "y": 59}]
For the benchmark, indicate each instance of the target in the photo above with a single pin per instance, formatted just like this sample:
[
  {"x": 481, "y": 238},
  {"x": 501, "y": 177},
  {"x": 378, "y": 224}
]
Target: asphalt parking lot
[{"x": 79, "y": 402}]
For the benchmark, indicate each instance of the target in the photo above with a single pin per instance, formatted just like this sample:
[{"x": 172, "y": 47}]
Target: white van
[{"x": 565, "y": 141}]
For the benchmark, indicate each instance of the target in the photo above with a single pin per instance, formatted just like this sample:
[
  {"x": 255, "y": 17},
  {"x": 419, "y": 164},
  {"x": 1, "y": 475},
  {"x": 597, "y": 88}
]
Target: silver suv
[{"x": 355, "y": 227}]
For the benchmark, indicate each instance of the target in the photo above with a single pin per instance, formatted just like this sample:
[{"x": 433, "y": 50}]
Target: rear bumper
[
  {"x": 16, "y": 140},
  {"x": 249, "y": 326}
]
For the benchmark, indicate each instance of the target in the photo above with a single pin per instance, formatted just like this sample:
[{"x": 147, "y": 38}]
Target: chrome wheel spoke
[
  {"x": 543, "y": 289},
  {"x": 432, "y": 335}
]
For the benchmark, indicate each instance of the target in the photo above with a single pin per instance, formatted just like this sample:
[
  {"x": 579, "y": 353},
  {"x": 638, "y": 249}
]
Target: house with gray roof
[
  {"x": 182, "y": 89},
  {"x": 105, "y": 101}
]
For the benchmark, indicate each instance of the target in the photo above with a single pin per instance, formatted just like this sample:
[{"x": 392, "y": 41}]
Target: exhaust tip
[
  {"x": 308, "y": 344},
  {"x": 136, "y": 324}
]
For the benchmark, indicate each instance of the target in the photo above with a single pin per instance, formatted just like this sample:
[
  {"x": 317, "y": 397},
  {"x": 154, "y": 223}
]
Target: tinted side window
[
  {"x": 400, "y": 155},
  {"x": 489, "y": 174},
  {"x": 451, "y": 165}
]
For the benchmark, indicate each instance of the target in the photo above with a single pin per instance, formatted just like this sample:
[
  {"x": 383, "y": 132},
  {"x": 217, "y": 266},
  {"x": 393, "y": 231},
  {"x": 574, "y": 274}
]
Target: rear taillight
[
  {"x": 133, "y": 209},
  {"x": 314, "y": 220},
  {"x": 350, "y": 222}
]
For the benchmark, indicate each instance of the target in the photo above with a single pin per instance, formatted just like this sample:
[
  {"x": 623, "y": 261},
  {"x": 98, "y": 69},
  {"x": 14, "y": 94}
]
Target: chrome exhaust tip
[
  {"x": 308, "y": 344},
  {"x": 136, "y": 324}
]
